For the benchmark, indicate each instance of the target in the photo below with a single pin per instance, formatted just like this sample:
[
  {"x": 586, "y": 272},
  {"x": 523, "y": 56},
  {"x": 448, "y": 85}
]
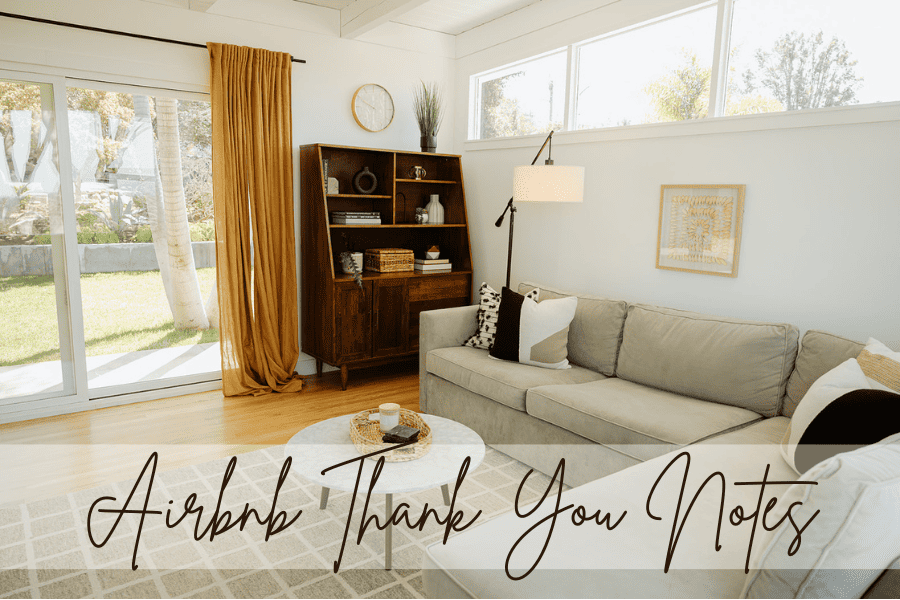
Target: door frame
[{"x": 71, "y": 336}]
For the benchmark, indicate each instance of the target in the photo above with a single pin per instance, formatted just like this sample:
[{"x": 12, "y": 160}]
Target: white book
[
  {"x": 349, "y": 221},
  {"x": 433, "y": 268}
]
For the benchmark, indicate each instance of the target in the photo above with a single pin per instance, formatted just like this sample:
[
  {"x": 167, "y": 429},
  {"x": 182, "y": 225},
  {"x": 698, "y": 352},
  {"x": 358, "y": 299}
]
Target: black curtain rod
[{"x": 113, "y": 32}]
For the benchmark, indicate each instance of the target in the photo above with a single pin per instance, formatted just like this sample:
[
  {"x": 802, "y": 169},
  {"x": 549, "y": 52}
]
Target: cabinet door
[
  {"x": 353, "y": 321},
  {"x": 432, "y": 292},
  {"x": 391, "y": 317}
]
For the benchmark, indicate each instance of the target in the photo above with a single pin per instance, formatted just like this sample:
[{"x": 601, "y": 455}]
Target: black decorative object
[
  {"x": 400, "y": 434},
  {"x": 359, "y": 183}
]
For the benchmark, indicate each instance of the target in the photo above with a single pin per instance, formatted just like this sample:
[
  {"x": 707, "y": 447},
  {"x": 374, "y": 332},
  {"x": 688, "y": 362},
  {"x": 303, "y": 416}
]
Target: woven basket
[
  {"x": 366, "y": 436},
  {"x": 389, "y": 260}
]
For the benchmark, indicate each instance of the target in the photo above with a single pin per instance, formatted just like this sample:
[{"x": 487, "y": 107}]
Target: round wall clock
[{"x": 373, "y": 107}]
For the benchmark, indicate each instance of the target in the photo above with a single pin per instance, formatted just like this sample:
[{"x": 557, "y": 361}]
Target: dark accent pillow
[
  {"x": 534, "y": 334},
  {"x": 488, "y": 309},
  {"x": 506, "y": 340},
  {"x": 856, "y": 419}
]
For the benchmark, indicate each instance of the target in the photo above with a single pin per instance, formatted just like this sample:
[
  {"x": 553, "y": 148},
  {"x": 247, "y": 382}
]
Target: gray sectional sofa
[{"x": 645, "y": 383}]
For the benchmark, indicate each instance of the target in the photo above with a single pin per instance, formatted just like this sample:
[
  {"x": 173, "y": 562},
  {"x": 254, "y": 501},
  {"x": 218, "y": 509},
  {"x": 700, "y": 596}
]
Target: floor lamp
[{"x": 541, "y": 183}]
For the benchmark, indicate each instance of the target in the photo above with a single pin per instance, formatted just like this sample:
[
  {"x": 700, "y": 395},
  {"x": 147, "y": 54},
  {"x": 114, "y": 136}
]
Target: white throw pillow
[
  {"x": 854, "y": 537},
  {"x": 544, "y": 332}
]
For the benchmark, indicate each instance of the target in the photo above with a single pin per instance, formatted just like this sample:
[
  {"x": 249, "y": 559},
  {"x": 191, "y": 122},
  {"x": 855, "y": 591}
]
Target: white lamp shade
[{"x": 548, "y": 183}]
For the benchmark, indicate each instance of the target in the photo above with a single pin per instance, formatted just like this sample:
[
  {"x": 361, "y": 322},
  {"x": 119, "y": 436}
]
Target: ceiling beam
[
  {"x": 201, "y": 5},
  {"x": 364, "y": 15}
]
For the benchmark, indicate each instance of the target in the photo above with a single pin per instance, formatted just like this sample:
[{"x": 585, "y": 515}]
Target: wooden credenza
[{"x": 349, "y": 326}]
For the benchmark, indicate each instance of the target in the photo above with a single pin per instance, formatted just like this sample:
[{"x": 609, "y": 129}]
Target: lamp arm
[{"x": 509, "y": 204}]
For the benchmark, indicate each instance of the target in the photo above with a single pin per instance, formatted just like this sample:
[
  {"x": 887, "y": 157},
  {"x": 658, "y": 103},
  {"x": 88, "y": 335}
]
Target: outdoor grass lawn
[{"x": 123, "y": 312}]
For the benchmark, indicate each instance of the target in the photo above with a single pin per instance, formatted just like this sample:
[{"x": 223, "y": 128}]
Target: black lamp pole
[{"x": 512, "y": 209}]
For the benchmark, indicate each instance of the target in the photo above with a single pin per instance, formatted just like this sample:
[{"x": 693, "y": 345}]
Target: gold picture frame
[{"x": 700, "y": 228}]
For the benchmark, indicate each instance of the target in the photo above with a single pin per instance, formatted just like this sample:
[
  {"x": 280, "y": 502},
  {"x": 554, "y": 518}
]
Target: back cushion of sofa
[
  {"x": 820, "y": 352},
  {"x": 596, "y": 330},
  {"x": 741, "y": 363}
]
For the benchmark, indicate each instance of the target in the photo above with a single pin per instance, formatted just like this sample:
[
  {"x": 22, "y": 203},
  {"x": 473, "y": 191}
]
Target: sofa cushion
[
  {"x": 820, "y": 352},
  {"x": 596, "y": 330},
  {"x": 588, "y": 561},
  {"x": 736, "y": 362},
  {"x": 633, "y": 419},
  {"x": 505, "y": 382},
  {"x": 855, "y": 535}
]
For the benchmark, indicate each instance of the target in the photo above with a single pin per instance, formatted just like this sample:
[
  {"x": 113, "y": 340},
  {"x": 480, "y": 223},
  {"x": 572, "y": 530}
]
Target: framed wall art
[{"x": 700, "y": 228}]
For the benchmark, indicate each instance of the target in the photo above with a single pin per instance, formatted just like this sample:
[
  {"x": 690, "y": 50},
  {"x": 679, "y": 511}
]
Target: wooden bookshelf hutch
[{"x": 350, "y": 327}]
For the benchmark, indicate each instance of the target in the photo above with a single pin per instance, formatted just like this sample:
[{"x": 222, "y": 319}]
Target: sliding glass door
[
  {"x": 37, "y": 349},
  {"x": 142, "y": 180},
  {"x": 108, "y": 265}
]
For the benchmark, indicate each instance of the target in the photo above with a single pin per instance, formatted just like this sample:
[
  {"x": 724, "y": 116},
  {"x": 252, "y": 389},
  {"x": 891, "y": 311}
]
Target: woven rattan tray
[{"x": 366, "y": 436}]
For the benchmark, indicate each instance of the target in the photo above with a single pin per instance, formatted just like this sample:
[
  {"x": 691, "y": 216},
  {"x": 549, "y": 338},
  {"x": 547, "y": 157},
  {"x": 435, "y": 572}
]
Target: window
[
  {"x": 522, "y": 99},
  {"x": 656, "y": 72},
  {"x": 796, "y": 55},
  {"x": 774, "y": 56}
]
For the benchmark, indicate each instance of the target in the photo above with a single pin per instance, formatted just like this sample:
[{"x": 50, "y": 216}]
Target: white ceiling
[
  {"x": 336, "y": 4},
  {"x": 446, "y": 16},
  {"x": 451, "y": 17},
  {"x": 458, "y": 16}
]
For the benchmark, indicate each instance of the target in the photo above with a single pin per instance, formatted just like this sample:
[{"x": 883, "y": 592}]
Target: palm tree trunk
[
  {"x": 143, "y": 125},
  {"x": 188, "y": 310}
]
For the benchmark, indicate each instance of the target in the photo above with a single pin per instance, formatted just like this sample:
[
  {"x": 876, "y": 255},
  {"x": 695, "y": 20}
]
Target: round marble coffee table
[{"x": 328, "y": 443}]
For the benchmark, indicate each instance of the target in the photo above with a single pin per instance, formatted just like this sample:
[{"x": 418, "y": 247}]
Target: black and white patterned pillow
[{"x": 488, "y": 309}]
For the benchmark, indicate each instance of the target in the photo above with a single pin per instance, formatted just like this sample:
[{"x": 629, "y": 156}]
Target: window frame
[{"x": 715, "y": 122}]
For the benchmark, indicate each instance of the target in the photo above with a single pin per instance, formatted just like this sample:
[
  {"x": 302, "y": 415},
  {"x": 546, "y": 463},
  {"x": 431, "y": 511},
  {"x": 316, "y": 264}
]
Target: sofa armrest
[{"x": 443, "y": 328}]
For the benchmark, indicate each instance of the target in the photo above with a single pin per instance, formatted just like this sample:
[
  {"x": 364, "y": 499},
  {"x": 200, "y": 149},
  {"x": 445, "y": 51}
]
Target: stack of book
[
  {"x": 355, "y": 218},
  {"x": 436, "y": 265}
]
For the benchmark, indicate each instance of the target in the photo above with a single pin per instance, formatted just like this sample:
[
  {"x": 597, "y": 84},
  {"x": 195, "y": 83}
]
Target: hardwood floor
[{"x": 55, "y": 455}]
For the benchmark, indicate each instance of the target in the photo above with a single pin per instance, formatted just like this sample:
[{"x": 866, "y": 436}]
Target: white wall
[
  {"x": 821, "y": 230},
  {"x": 322, "y": 88}
]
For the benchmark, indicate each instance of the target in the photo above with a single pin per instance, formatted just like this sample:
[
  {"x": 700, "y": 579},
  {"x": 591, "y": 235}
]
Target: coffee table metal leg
[
  {"x": 388, "y": 509},
  {"x": 323, "y": 502},
  {"x": 445, "y": 489}
]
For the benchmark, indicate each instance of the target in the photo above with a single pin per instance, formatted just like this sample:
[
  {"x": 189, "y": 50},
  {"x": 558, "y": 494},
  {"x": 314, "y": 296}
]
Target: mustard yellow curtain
[{"x": 254, "y": 216}]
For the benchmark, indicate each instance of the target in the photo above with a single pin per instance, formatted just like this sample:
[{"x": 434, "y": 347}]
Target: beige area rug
[{"x": 45, "y": 551}]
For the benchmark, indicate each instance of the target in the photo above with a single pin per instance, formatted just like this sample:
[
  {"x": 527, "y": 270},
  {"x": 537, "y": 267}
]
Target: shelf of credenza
[
  {"x": 401, "y": 226},
  {"x": 373, "y": 275},
  {"x": 446, "y": 181}
]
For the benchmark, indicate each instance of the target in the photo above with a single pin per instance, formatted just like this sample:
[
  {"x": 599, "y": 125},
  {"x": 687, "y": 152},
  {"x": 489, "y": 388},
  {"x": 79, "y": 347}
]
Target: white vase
[{"x": 435, "y": 211}]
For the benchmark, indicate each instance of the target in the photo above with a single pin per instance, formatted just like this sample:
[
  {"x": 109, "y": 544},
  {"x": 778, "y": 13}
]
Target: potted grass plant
[{"x": 428, "y": 101}]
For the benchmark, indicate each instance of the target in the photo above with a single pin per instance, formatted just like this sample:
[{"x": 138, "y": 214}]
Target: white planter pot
[{"x": 358, "y": 259}]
